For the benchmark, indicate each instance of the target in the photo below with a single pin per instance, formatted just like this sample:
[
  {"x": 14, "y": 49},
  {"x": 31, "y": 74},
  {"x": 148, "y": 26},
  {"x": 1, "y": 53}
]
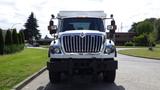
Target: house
[{"x": 122, "y": 37}]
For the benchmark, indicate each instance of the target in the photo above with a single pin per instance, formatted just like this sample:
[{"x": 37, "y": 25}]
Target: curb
[
  {"x": 29, "y": 79},
  {"x": 140, "y": 56}
]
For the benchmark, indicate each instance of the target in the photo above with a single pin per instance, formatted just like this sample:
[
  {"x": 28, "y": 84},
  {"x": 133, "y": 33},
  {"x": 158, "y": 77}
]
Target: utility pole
[{"x": 121, "y": 26}]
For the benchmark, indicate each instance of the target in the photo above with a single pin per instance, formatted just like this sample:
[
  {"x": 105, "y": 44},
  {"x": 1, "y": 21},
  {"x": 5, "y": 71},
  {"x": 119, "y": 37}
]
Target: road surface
[{"x": 133, "y": 74}]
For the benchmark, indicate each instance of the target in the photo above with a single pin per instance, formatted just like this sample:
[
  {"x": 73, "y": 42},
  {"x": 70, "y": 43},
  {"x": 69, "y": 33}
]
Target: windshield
[{"x": 82, "y": 24}]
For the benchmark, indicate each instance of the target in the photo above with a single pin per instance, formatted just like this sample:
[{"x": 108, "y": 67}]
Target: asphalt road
[{"x": 133, "y": 74}]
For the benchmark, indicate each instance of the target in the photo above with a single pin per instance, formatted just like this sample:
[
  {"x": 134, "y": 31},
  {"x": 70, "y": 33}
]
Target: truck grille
[{"x": 77, "y": 44}]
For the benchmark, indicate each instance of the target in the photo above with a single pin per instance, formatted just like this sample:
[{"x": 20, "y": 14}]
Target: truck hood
[{"x": 71, "y": 32}]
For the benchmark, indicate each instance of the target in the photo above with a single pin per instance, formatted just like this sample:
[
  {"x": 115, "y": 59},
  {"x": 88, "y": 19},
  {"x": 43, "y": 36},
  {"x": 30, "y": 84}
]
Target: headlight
[
  {"x": 109, "y": 49},
  {"x": 55, "y": 50}
]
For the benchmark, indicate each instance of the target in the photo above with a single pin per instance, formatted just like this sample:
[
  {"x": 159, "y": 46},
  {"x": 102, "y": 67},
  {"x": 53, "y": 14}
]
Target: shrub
[
  {"x": 8, "y": 38},
  {"x": 13, "y": 48},
  {"x": 8, "y": 42},
  {"x": 141, "y": 40},
  {"x": 129, "y": 44},
  {"x": 8, "y": 49},
  {"x": 22, "y": 36},
  {"x": 1, "y": 42},
  {"x": 15, "y": 37},
  {"x": 19, "y": 38},
  {"x": 13, "y": 42}
]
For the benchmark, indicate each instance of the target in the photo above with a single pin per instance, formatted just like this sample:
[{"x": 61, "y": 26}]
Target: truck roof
[{"x": 93, "y": 14}]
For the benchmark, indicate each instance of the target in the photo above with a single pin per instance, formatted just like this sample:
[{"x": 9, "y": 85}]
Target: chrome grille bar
[
  {"x": 77, "y": 44},
  {"x": 96, "y": 43},
  {"x": 90, "y": 48},
  {"x": 68, "y": 44},
  {"x": 74, "y": 46}
]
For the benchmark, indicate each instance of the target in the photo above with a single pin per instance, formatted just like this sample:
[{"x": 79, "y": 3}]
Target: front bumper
[
  {"x": 71, "y": 65},
  {"x": 88, "y": 56}
]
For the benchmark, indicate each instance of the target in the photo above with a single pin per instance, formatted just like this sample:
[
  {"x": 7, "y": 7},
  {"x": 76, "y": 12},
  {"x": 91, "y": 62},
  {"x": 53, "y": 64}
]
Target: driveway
[{"x": 133, "y": 74}]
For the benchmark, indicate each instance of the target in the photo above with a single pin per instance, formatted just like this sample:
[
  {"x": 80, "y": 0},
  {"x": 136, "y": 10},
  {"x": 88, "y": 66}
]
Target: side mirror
[
  {"x": 109, "y": 27},
  {"x": 52, "y": 29}
]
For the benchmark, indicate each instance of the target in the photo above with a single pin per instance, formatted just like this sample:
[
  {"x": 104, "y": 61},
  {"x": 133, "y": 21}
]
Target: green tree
[
  {"x": 151, "y": 20},
  {"x": 151, "y": 28},
  {"x": 157, "y": 30},
  {"x": 151, "y": 40},
  {"x": 15, "y": 37},
  {"x": 31, "y": 30},
  {"x": 144, "y": 27},
  {"x": 8, "y": 38},
  {"x": 133, "y": 27},
  {"x": 1, "y": 42}
]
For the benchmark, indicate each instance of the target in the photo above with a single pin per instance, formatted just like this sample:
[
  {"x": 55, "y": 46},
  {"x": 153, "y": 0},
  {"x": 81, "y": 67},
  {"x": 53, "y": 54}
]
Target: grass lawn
[
  {"x": 45, "y": 46},
  {"x": 130, "y": 47},
  {"x": 16, "y": 67},
  {"x": 142, "y": 52}
]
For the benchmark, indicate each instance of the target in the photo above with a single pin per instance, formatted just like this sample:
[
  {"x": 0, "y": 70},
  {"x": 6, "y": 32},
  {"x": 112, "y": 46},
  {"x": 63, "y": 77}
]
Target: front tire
[
  {"x": 54, "y": 77},
  {"x": 109, "y": 76}
]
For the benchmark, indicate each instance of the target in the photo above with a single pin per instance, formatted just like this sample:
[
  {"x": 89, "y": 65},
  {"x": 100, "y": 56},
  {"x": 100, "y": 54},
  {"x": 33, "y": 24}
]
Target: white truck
[{"x": 80, "y": 46}]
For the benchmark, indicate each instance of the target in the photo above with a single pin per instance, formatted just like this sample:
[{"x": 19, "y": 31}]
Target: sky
[{"x": 14, "y": 13}]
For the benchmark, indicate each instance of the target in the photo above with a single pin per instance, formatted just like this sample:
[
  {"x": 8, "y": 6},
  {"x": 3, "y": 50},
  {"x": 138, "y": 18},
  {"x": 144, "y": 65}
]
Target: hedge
[
  {"x": 13, "y": 42},
  {"x": 1, "y": 42},
  {"x": 8, "y": 38},
  {"x": 15, "y": 37},
  {"x": 8, "y": 49},
  {"x": 129, "y": 43}
]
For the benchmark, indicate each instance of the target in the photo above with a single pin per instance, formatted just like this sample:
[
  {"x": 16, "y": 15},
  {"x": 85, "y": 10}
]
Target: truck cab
[{"x": 80, "y": 46}]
